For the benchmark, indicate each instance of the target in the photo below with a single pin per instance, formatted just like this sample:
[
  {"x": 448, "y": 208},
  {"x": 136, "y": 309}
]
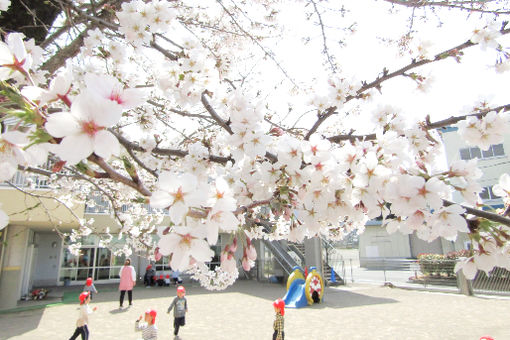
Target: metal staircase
[{"x": 281, "y": 255}]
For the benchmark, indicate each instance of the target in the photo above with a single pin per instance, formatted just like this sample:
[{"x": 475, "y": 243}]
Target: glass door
[
  {"x": 85, "y": 263},
  {"x": 103, "y": 261}
]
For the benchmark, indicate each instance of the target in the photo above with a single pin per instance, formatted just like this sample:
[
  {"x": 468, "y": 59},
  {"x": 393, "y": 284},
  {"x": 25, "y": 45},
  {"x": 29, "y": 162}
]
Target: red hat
[
  {"x": 152, "y": 313},
  {"x": 181, "y": 289},
  {"x": 155, "y": 277},
  {"x": 161, "y": 276},
  {"x": 148, "y": 267},
  {"x": 83, "y": 297},
  {"x": 167, "y": 276},
  {"x": 89, "y": 282},
  {"x": 280, "y": 304}
]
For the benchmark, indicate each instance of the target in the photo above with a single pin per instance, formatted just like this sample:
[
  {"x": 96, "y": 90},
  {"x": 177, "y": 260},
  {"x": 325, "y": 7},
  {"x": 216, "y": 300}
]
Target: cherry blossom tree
[{"x": 227, "y": 113}]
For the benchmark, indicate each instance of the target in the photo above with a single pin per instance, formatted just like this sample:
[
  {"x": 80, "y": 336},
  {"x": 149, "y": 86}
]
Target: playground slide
[{"x": 295, "y": 297}]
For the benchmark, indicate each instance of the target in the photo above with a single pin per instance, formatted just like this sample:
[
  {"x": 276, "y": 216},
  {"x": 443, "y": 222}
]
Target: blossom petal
[
  {"x": 105, "y": 144},
  {"x": 180, "y": 259},
  {"x": 200, "y": 250},
  {"x": 75, "y": 148},
  {"x": 62, "y": 124},
  {"x": 161, "y": 199}
]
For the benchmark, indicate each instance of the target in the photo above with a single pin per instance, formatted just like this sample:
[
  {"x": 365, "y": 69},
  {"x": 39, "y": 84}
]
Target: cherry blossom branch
[
  {"x": 202, "y": 213},
  {"x": 118, "y": 177},
  {"x": 68, "y": 52},
  {"x": 266, "y": 52},
  {"x": 140, "y": 163},
  {"x": 213, "y": 113},
  {"x": 324, "y": 42},
  {"x": 179, "y": 112},
  {"x": 163, "y": 51},
  {"x": 164, "y": 152},
  {"x": 482, "y": 213},
  {"x": 454, "y": 51},
  {"x": 427, "y": 125},
  {"x": 462, "y": 5},
  {"x": 101, "y": 190},
  {"x": 39, "y": 197}
]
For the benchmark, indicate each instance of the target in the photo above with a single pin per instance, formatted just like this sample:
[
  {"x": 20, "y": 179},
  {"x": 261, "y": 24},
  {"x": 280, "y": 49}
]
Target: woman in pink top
[{"x": 127, "y": 281}]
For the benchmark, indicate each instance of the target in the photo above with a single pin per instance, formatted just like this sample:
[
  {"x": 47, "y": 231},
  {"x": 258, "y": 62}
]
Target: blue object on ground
[
  {"x": 333, "y": 275},
  {"x": 295, "y": 297},
  {"x": 273, "y": 279}
]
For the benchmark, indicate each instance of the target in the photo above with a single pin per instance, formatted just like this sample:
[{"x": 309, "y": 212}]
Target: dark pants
[
  {"x": 130, "y": 296},
  {"x": 275, "y": 334},
  {"x": 83, "y": 331},
  {"x": 178, "y": 322}
]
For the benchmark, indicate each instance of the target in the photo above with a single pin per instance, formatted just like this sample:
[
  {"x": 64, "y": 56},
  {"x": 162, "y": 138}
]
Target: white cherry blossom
[
  {"x": 185, "y": 243},
  {"x": 179, "y": 192},
  {"x": 83, "y": 129}
]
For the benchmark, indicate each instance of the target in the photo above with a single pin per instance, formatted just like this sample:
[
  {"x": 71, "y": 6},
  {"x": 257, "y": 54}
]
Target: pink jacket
[{"x": 127, "y": 277}]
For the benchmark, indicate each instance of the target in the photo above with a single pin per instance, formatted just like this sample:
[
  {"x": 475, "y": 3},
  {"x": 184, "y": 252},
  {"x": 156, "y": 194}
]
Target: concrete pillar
[
  {"x": 12, "y": 267},
  {"x": 465, "y": 285},
  {"x": 313, "y": 253}
]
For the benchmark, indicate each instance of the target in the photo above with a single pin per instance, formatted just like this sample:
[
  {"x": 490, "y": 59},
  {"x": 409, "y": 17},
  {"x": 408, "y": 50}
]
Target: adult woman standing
[{"x": 127, "y": 281}]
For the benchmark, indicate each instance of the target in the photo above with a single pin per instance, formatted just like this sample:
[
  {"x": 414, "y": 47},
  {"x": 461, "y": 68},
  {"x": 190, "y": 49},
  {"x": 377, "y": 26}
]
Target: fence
[
  {"x": 429, "y": 274},
  {"x": 497, "y": 282}
]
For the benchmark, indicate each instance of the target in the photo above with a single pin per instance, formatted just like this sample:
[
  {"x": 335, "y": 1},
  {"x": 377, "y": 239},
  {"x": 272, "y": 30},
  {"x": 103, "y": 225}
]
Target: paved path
[{"x": 245, "y": 312}]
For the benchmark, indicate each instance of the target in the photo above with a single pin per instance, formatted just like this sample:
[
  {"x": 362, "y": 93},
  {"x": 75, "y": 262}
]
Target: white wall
[{"x": 376, "y": 242}]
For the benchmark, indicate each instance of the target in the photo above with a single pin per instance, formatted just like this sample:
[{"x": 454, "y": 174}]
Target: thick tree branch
[
  {"x": 114, "y": 175},
  {"x": 482, "y": 213}
]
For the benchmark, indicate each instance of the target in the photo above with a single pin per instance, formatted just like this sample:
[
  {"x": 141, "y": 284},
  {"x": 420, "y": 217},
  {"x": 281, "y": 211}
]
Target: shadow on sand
[{"x": 13, "y": 324}]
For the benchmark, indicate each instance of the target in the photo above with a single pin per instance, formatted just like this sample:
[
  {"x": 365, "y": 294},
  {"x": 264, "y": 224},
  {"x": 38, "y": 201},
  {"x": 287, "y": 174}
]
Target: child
[
  {"x": 181, "y": 308},
  {"x": 161, "y": 280},
  {"x": 149, "y": 273},
  {"x": 175, "y": 277},
  {"x": 83, "y": 319},
  {"x": 279, "y": 308},
  {"x": 148, "y": 328},
  {"x": 89, "y": 287},
  {"x": 167, "y": 280}
]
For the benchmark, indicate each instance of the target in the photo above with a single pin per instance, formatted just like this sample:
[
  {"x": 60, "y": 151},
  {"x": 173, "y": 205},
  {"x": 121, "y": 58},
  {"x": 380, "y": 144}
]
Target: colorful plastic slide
[{"x": 301, "y": 292}]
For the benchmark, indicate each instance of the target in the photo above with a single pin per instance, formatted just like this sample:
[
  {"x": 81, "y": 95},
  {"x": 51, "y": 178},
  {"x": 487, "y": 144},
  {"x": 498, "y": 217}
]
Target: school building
[{"x": 34, "y": 253}]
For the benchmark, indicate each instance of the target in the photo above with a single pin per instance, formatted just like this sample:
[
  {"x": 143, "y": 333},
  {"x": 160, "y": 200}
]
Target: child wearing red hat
[
  {"x": 161, "y": 280},
  {"x": 89, "y": 287},
  {"x": 148, "y": 327},
  {"x": 148, "y": 279},
  {"x": 167, "y": 280},
  {"x": 181, "y": 308},
  {"x": 279, "y": 308},
  {"x": 83, "y": 319}
]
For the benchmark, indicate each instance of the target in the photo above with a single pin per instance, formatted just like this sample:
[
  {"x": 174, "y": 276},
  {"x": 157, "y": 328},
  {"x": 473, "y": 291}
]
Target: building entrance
[{"x": 93, "y": 261}]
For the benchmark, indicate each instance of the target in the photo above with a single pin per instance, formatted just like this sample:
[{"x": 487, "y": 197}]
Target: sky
[{"x": 456, "y": 87}]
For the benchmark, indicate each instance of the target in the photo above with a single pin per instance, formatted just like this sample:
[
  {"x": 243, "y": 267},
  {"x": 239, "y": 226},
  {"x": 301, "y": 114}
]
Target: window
[
  {"x": 495, "y": 150},
  {"x": 487, "y": 194}
]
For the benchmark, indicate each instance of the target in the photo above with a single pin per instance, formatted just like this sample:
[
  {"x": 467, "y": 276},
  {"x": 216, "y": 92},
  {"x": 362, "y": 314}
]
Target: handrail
[
  {"x": 283, "y": 258},
  {"x": 297, "y": 251}
]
